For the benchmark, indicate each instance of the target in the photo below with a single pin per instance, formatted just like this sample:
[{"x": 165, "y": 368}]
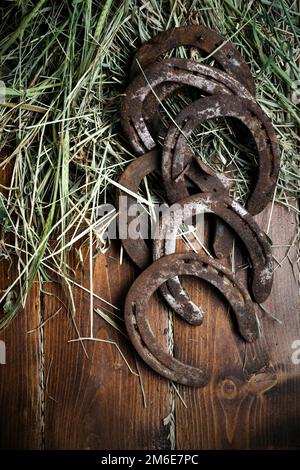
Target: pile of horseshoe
[{"x": 226, "y": 91}]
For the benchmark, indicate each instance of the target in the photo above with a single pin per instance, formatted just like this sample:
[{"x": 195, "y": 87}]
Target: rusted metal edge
[
  {"x": 211, "y": 107},
  {"x": 137, "y": 249},
  {"x": 229, "y": 211},
  {"x": 149, "y": 281},
  {"x": 204, "y": 39},
  {"x": 240, "y": 221},
  {"x": 139, "y": 126},
  {"x": 208, "y": 80}
]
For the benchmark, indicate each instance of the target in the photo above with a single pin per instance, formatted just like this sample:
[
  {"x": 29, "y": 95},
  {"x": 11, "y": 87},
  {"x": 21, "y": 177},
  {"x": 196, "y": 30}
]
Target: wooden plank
[
  {"x": 96, "y": 402},
  {"x": 252, "y": 400},
  {"x": 20, "y": 394}
]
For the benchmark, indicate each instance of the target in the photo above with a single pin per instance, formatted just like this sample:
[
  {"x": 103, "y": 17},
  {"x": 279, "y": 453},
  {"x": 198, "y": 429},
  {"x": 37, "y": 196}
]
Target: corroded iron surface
[
  {"x": 174, "y": 166},
  {"x": 241, "y": 222},
  {"x": 206, "y": 40},
  {"x": 137, "y": 249},
  {"x": 150, "y": 280},
  {"x": 229, "y": 92},
  {"x": 208, "y": 80}
]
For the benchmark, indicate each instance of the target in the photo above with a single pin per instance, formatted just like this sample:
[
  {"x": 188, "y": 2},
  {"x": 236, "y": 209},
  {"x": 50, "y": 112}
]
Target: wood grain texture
[
  {"x": 96, "y": 402},
  {"x": 20, "y": 410},
  {"x": 252, "y": 400}
]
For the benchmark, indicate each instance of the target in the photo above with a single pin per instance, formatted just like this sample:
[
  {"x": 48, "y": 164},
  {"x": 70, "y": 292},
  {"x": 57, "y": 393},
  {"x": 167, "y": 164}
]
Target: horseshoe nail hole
[
  {"x": 214, "y": 190},
  {"x": 220, "y": 274},
  {"x": 204, "y": 265},
  {"x": 229, "y": 55},
  {"x": 187, "y": 261},
  {"x": 205, "y": 178}
]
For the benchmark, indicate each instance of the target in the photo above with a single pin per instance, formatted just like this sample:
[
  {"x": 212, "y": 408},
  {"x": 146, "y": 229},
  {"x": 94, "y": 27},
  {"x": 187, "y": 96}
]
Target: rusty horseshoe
[
  {"x": 223, "y": 91},
  {"x": 210, "y": 107},
  {"x": 220, "y": 204},
  {"x": 208, "y": 80},
  {"x": 237, "y": 218},
  {"x": 137, "y": 249},
  {"x": 149, "y": 281},
  {"x": 140, "y": 127},
  {"x": 202, "y": 38}
]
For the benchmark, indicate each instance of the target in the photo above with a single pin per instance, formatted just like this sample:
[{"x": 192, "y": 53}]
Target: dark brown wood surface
[
  {"x": 251, "y": 401},
  {"x": 20, "y": 393},
  {"x": 54, "y": 396}
]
